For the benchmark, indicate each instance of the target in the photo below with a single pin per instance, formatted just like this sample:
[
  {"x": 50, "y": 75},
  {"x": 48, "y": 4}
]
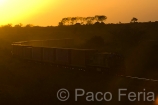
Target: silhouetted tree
[
  {"x": 77, "y": 20},
  {"x": 29, "y": 25},
  {"x": 60, "y": 24},
  {"x": 90, "y": 20},
  {"x": 7, "y": 26},
  {"x": 73, "y": 20},
  {"x": 100, "y": 18},
  {"x": 83, "y": 20},
  {"x": 134, "y": 20},
  {"x": 18, "y": 25},
  {"x": 69, "y": 20},
  {"x": 64, "y": 21}
]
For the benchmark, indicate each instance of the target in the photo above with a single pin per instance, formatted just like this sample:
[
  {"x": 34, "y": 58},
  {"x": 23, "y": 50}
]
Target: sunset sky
[{"x": 50, "y": 12}]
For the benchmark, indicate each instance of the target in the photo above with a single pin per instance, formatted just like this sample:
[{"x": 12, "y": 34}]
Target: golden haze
[{"x": 50, "y": 12}]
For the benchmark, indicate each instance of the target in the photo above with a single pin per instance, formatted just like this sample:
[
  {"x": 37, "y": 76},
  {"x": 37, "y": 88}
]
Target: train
[{"x": 60, "y": 52}]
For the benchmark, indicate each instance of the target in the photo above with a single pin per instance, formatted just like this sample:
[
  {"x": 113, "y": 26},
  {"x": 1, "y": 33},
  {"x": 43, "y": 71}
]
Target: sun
[
  {"x": 19, "y": 11},
  {"x": 2, "y": 2}
]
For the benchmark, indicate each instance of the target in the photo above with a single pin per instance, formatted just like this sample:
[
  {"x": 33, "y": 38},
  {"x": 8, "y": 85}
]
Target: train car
[
  {"x": 49, "y": 54},
  {"x": 82, "y": 57},
  {"x": 107, "y": 62},
  {"x": 15, "y": 49},
  {"x": 21, "y": 51},
  {"x": 37, "y": 54},
  {"x": 17, "y": 43},
  {"x": 77, "y": 58},
  {"x": 28, "y": 53},
  {"x": 25, "y": 43},
  {"x": 63, "y": 56}
]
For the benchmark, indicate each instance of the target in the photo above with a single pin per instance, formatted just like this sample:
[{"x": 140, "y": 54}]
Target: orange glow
[
  {"x": 156, "y": 101},
  {"x": 17, "y": 11},
  {"x": 2, "y": 2},
  {"x": 50, "y": 12}
]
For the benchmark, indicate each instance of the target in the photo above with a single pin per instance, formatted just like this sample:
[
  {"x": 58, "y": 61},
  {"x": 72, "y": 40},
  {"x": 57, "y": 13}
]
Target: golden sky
[{"x": 50, "y": 12}]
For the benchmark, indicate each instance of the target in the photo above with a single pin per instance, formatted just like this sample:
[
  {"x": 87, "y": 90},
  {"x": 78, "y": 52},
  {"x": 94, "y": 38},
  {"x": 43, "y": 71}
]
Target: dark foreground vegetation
[{"x": 28, "y": 83}]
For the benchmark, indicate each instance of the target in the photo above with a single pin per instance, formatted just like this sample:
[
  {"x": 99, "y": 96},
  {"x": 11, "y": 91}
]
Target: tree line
[
  {"x": 75, "y": 20},
  {"x": 87, "y": 20},
  {"x": 83, "y": 20},
  {"x": 18, "y": 25}
]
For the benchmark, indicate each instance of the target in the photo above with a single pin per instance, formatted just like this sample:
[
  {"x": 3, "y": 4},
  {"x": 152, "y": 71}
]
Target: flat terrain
[{"x": 30, "y": 83}]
